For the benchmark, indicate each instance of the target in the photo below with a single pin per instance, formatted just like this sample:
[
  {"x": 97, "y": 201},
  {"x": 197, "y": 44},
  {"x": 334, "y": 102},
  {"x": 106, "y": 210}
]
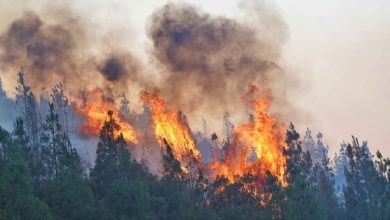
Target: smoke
[
  {"x": 113, "y": 69},
  {"x": 60, "y": 51},
  {"x": 41, "y": 49},
  {"x": 201, "y": 63},
  {"x": 208, "y": 61}
]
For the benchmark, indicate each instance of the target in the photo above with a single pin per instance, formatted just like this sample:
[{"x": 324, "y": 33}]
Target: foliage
[{"x": 41, "y": 177}]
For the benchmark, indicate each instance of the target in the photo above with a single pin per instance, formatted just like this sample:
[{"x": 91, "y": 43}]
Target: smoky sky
[
  {"x": 53, "y": 52},
  {"x": 208, "y": 61},
  {"x": 201, "y": 63},
  {"x": 40, "y": 48}
]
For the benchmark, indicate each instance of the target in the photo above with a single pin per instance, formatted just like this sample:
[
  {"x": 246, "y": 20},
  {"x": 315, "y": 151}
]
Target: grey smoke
[
  {"x": 208, "y": 61},
  {"x": 50, "y": 53}
]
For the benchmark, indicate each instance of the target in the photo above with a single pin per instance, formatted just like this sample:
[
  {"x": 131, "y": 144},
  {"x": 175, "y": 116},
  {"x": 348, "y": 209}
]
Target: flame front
[
  {"x": 264, "y": 136},
  {"x": 95, "y": 111},
  {"x": 257, "y": 146},
  {"x": 171, "y": 128}
]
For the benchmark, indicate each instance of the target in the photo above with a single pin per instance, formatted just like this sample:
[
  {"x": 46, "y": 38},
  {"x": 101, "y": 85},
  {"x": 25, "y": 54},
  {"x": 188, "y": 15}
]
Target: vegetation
[{"x": 41, "y": 177}]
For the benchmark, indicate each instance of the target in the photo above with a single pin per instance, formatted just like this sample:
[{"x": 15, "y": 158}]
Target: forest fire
[
  {"x": 171, "y": 126},
  {"x": 256, "y": 148},
  {"x": 262, "y": 135},
  {"x": 95, "y": 112}
]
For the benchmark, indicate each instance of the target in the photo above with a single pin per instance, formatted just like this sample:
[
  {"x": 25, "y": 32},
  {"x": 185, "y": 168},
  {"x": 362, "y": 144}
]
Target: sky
[
  {"x": 342, "y": 49},
  {"x": 339, "y": 50}
]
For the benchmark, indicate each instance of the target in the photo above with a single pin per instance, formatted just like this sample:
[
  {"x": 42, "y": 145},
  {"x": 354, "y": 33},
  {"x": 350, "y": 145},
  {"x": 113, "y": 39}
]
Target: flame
[
  {"x": 95, "y": 111},
  {"x": 170, "y": 127},
  {"x": 264, "y": 136}
]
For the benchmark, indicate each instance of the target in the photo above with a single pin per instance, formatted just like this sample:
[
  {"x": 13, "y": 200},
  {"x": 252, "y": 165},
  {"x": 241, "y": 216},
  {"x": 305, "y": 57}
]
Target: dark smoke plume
[
  {"x": 201, "y": 63},
  {"x": 42, "y": 49},
  {"x": 113, "y": 69},
  {"x": 209, "y": 61},
  {"x": 120, "y": 66},
  {"x": 50, "y": 53}
]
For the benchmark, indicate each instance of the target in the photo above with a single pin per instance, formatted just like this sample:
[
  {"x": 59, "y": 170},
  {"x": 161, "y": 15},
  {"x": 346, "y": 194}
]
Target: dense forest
[{"x": 42, "y": 177}]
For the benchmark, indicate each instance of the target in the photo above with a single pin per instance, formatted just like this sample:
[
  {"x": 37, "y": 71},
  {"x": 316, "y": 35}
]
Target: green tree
[
  {"x": 325, "y": 182},
  {"x": 123, "y": 187},
  {"x": 366, "y": 192},
  {"x": 17, "y": 199},
  {"x": 57, "y": 152},
  {"x": 172, "y": 167},
  {"x": 107, "y": 158},
  {"x": 301, "y": 201},
  {"x": 69, "y": 197},
  {"x": 63, "y": 187}
]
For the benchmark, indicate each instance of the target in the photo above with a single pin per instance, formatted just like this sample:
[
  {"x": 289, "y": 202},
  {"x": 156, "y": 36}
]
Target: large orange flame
[
  {"x": 170, "y": 126},
  {"x": 264, "y": 136},
  {"x": 95, "y": 112}
]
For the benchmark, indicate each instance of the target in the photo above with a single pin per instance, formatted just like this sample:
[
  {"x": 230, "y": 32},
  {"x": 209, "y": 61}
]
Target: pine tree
[
  {"x": 62, "y": 186},
  {"x": 301, "y": 201},
  {"x": 106, "y": 167},
  {"x": 27, "y": 106},
  {"x": 57, "y": 152},
  {"x": 364, "y": 190},
  {"x": 325, "y": 182},
  {"x": 19, "y": 133},
  {"x": 383, "y": 167},
  {"x": 172, "y": 167},
  {"x": 17, "y": 199},
  {"x": 113, "y": 160},
  {"x": 61, "y": 106}
]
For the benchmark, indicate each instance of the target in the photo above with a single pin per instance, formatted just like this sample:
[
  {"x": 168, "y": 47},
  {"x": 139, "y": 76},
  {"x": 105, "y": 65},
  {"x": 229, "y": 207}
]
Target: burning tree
[
  {"x": 172, "y": 130},
  {"x": 95, "y": 111},
  {"x": 262, "y": 135}
]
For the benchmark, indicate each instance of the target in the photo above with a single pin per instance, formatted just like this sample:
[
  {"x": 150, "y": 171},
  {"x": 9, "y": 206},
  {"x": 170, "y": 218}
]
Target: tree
[
  {"x": 27, "y": 107},
  {"x": 340, "y": 163},
  {"x": 172, "y": 167},
  {"x": 57, "y": 152},
  {"x": 325, "y": 182},
  {"x": 63, "y": 187},
  {"x": 69, "y": 196},
  {"x": 19, "y": 133},
  {"x": 122, "y": 185},
  {"x": 106, "y": 165},
  {"x": 61, "y": 106},
  {"x": 17, "y": 199},
  {"x": 300, "y": 202},
  {"x": 366, "y": 193}
]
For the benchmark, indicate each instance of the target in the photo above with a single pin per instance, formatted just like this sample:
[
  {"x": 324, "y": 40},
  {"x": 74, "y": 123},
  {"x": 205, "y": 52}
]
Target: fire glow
[
  {"x": 264, "y": 135},
  {"x": 95, "y": 112},
  {"x": 257, "y": 146},
  {"x": 170, "y": 127}
]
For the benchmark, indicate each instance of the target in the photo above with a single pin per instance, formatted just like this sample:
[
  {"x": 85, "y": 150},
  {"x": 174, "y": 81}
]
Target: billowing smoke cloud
[
  {"x": 41, "y": 49},
  {"x": 51, "y": 53},
  {"x": 208, "y": 61},
  {"x": 201, "y": 63}
]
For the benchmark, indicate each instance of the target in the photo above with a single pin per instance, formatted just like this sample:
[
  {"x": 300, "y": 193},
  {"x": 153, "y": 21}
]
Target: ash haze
[{"x": 334, "y": 53}]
